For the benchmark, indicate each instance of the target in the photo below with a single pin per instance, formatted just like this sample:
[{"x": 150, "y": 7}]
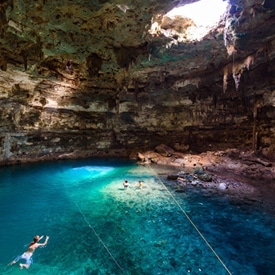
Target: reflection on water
[{"x": 98, "y": 227}]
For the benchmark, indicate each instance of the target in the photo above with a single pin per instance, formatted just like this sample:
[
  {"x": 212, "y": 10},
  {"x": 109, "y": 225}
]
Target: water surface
[{"x": 98, "y": 227}]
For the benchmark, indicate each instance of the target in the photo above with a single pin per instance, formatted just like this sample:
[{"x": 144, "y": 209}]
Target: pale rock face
[{"x": 89, "y": 78}]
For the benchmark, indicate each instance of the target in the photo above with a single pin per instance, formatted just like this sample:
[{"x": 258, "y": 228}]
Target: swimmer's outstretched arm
[{"x": 46, "y": 241}]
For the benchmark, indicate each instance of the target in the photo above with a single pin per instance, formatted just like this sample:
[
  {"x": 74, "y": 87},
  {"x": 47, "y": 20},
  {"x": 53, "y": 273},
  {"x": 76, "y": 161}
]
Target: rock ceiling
[{"x": 86, "y": 78}]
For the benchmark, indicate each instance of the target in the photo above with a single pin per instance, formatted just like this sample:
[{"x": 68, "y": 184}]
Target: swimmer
[
  {"x": 125, "y": 184},
  {"x": 139, "y": 184},
  {"x": 27, "y": 255}
]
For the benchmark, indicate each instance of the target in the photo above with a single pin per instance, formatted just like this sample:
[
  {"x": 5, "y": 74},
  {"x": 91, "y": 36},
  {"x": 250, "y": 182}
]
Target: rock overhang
[{"x": 92, "y": 69}]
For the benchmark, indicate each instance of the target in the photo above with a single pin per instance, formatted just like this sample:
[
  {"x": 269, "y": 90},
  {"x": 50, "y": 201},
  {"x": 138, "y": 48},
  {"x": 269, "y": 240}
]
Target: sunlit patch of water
[{"x": 98, "y": 227}]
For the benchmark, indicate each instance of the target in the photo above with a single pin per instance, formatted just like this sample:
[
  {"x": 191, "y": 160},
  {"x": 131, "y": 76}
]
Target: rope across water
[
  {"x": 182, "y": 210},
  {"x": 189, "y": 219},
  {"x": 100, "y": 240}
]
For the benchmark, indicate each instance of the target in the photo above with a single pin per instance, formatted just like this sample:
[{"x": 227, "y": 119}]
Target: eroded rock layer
[{"x": 91, "y": 78}]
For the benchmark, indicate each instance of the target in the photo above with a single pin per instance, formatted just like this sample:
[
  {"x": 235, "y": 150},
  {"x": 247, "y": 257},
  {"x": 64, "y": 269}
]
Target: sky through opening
[{"x": 205, "y": 14}]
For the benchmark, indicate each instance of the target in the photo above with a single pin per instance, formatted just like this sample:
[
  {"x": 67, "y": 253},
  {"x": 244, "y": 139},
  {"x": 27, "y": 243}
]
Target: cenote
[{"x": 97, "y": 227}]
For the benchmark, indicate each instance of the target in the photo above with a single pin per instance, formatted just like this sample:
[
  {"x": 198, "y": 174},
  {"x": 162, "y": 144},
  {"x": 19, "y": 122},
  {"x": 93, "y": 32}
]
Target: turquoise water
[{"x": 97, "y": 227}]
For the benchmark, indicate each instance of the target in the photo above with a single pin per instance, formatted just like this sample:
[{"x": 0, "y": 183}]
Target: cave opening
[{"x": 190, "y": 22}]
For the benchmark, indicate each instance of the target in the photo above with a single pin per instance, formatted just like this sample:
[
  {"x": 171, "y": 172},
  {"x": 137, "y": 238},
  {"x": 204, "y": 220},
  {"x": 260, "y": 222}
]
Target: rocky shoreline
[{"x": 243, "y": 177}]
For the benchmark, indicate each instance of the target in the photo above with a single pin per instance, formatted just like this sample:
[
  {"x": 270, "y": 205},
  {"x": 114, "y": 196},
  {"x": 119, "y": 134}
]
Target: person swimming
[
  {"x": 27, "y": 255},
  {"x": 139, "y": 184},
  {"x": 125, "y": 184}
]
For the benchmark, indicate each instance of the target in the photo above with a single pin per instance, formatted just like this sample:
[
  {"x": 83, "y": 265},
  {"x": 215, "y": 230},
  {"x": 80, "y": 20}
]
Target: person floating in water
[
  {"x": 125, "y": 184},
  {"x": 139, "y": 184},
  {"x": 27, "y": 255}
]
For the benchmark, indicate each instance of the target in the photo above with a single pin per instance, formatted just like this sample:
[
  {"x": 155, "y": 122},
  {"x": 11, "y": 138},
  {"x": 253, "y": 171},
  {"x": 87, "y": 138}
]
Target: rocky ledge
[
  {"x": 107, "y": 77},
  {"x": 244, "y": 177}
]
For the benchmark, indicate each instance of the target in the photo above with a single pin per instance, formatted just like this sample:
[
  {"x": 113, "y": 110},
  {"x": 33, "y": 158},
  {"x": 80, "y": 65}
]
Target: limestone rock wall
[{"x": 86, "y": 78}]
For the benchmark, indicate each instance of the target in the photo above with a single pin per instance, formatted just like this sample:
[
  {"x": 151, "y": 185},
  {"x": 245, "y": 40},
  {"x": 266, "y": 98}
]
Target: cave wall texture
[{"x": 89, "y": 78}]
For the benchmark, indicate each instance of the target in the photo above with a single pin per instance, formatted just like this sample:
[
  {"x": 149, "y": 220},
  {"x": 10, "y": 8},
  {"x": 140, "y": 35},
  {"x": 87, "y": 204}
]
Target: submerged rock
[
  {"x": 180, "y": 189},
  {"x": 172, "y": 176},
  {"x": 205, "y": 177},
  {"x": 222, "y": 186}
]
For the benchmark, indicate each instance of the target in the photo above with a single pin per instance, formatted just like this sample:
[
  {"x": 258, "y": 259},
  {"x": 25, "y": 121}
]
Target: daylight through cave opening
[{"x": 190, "y": 22}]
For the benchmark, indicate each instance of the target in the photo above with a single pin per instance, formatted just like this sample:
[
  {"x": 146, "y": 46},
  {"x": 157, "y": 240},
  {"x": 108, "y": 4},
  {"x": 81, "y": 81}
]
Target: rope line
[
  {"x": 100, "y": 240},
  {"x": 192, "y": 223}
]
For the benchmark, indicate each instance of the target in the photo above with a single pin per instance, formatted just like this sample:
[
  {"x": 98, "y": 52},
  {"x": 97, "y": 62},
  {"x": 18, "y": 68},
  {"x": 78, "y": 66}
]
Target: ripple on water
[{"x": 98, "y": 227}]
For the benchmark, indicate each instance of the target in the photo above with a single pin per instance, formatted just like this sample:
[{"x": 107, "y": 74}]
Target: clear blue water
[{"x": 97, "y": 227}]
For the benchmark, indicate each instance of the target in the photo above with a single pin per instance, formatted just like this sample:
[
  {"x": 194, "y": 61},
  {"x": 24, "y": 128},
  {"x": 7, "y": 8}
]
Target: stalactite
[
  {"x": 3, "y": 63},
  {"x": 255, "y": 134},
  {"x": 53, "y": 34},
  {"x": 215, "y": 99},
  {"x": 25, "y": 60},
  {"x": 117, "y": 102},
  {"x": 94, "y": 63},
  {"x": 236, "y": 69}
]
